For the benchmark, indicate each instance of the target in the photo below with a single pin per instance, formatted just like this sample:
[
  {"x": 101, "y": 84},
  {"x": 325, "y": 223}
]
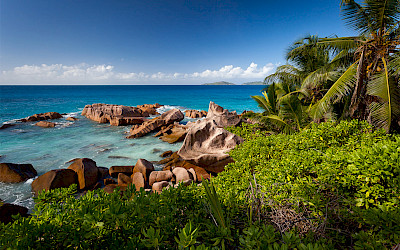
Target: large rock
[
  {"x": 7, "y": 210},
  {"x": 42, "y": 116},
  {"x": 175, "y": 134},
  {"x": 222, "y": 117},
  {"x": 157, "y": 176},
  {"x": 124, "y": 180},
  {"x": 57, "y": 178},
  {"x": 45, "y": 124},
  {"x": 145, "y": 167},
  {"x": 115, "y": 114},
  {"x": 195, "y": 113},
  {"x": 138, "y": 180},
  {"x": 174, "y": 160},
  {"x": 206, "y": 145},
  {"x": 167, "y": 118},
  {"x": 150, "y": 109},
  {"x": 181, "y": 174},
  {"x": 159, "y": 186},
  {"x": 115, "y": 170},
  {"x": 87, "y": 172},
  {"x": 14, "y": 173}
]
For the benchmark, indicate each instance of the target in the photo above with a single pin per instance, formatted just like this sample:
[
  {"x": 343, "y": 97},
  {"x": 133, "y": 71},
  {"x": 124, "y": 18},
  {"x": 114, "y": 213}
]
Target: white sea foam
[{"x": 166, "y": 108}]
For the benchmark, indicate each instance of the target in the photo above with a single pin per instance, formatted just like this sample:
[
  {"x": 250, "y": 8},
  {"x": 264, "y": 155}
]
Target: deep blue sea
[{"x": 51, "y": 148}]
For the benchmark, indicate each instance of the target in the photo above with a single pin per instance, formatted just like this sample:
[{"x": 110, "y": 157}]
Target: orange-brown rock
[
  {"x": 150, "y": 109},
  {"x": 159, "y": 186},
  {"x": 103, "y": 172},
  {"x": 195, "y": 113},
  {"x": 177, "y": 134},
  {"x": 14, "y": 173},
  {"x": 124, "y": 180},
  {"x": 157, "y": 176},
  {"x": 42, "y": 116},
  {"x": 45, "y": 124},
  {"x": 7, "y": 210},
  {"x": 115, "y": 114},
  {"x": 138, "y": 180},
  {"x": 57, "y": 178},
  {"x": 111, "y": 187},
  {"x": 145, "y": 167},
  {"x": 167, "y": 118},
  {"x": 71, "y": 119},
  {"x": 108, "y": 181},
  {"x": 166, "y": 153},
  {"x": 115, "y": 170},
  {"x": 87, "y": 172},
  {"x": 181, "y": 174},
  {"x": 176, "y": 161}
]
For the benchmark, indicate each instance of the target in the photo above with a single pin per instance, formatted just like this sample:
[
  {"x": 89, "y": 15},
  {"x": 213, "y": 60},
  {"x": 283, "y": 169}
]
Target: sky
[{"x": 155, "y": 41}]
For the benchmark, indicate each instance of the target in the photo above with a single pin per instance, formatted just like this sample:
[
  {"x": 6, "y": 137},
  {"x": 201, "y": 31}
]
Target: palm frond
[
  {"x": 279, "y": 122},
  {"x": 340, "y": 43},
  {"x": 387, "y": 109},
  {"x": 263, "y": 102},
  {"x": 355, "y": 15},
  {"x": 339, "y": 89}
]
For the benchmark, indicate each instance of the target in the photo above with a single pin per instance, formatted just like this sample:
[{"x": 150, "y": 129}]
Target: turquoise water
[{"x": 51, "y": 148}]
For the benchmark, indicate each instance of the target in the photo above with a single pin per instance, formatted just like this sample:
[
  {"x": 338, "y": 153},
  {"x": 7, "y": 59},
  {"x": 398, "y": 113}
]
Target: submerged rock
[
  {"x": 71, "y": 119},
  {"x": 7, "y": 125},
  {"x": 14, "y": 173}
]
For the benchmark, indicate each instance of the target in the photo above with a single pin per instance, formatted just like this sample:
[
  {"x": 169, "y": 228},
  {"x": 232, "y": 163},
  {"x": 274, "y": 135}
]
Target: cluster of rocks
[
  {"x": 120, "y": 115},
  {"x": 195, "y": 113},
  {"x": 41, "y": 120}
]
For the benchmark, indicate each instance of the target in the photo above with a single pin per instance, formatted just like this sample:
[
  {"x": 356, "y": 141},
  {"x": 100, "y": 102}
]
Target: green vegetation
[
  {"x": 329, "y": 186},
  {"x": 219, "y": 83}
]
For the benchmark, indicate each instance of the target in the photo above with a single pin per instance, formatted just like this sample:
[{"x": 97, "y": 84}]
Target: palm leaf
[
  {"x": 338, "y": 90},
  {"x": 355, "y": 15},
  {"x": 263, "y": 102},
  {"x": 388, "y": 108},
  {"x": 279, "y": 122}
]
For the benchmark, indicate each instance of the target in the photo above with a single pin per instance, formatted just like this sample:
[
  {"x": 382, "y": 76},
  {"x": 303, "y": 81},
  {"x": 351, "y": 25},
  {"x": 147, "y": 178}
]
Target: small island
[
  {"x": 219, "y": 83},
  {"x": 254, "y": 83}
]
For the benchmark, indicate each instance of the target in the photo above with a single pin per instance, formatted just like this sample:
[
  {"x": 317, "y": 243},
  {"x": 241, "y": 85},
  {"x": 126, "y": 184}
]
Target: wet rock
[
  {"x": 181, "y": 174},
  {"x": 195, "y": 113},
  {"x": 71, "y": 119},
  {"x": 45, "y": 124},
  {"x": 156, "y": 150},
  {"x": 57, "y": 178},
  {"x": 158, "y": 176},
  {"x": 145, "y": 167},
  {"x": 166, "y": 153},
  {"x": 87, "y": 172},
  {"x": 138, "y": 180},
  {"x": 124, "y": 180},
  {"x": 42, "y": 116},
  {"x": 159, "y": 186},
  {"x": 123, "y": 121},
  {"x": 118, "y": 157},
  {"x": 167, "y": 118},
  {"x": 7, "y": 210},
  {"x": 115, "y": 170},
  {"x": 7, "y": 125},
  {"x": 14, "y": 173}
]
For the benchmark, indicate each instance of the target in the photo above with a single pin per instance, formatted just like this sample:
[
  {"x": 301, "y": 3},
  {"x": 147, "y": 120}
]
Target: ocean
[{"x": 51, "y": 148}]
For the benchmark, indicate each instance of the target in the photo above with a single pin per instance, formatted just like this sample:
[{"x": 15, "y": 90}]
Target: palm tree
[{"x": 371, "y": 82}]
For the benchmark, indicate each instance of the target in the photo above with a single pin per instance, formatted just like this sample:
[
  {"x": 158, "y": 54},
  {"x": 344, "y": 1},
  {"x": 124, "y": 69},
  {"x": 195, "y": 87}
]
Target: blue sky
[{"x": 154, "y": 42}]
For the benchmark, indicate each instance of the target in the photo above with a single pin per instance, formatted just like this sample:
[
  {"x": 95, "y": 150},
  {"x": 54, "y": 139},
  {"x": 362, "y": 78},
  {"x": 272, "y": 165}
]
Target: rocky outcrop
[
  {"x": 207, "y": 143},
  {"x": 87, "y": 172},
  {"x": 45, "y": 124},
  {"x": 124, "y": 180},
  {"x": 57, "y": 178},
  {"x": 150, "y": 109},
  {"x": 42, "y": 116},
  {"x": 174, "y": 160},
  {"x": 116, "y": 115},
  {"x": 139, "y": 181},
  {"x": 7, "y": 210},
  {"x": 155, "y": 124},
  {"x": 195, "y": 113},
  {"x": 222, "y": 117},
  {"x": 14, "y": 173}
]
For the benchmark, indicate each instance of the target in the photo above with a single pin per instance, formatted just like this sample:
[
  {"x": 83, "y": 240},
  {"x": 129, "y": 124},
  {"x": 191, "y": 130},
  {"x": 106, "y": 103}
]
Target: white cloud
[{"x": 103, "y": 74}]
